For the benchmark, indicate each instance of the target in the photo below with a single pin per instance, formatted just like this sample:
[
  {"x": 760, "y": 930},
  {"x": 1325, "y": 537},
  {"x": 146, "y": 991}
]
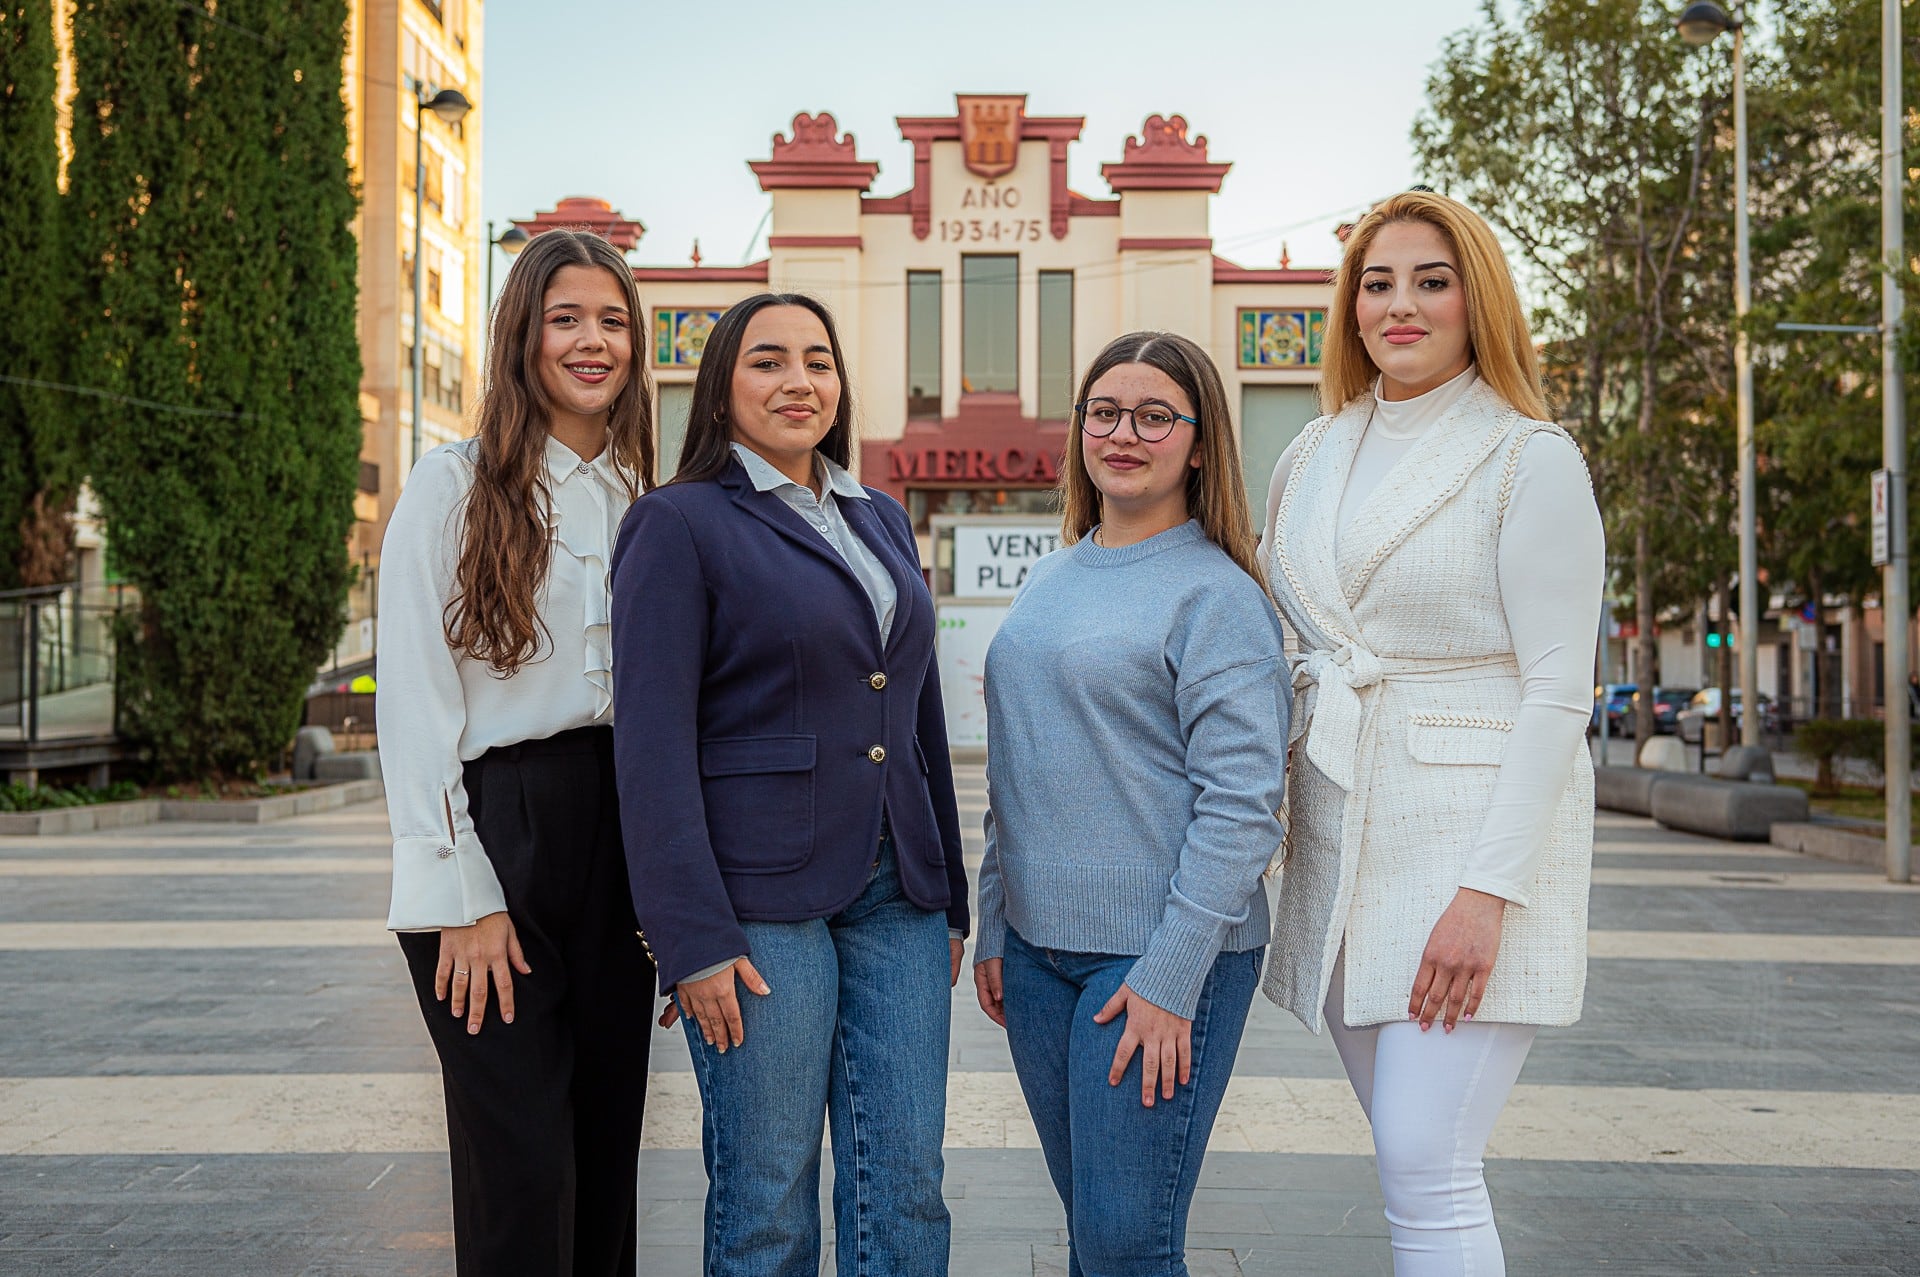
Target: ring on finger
[{"x": 460, "y": 971}]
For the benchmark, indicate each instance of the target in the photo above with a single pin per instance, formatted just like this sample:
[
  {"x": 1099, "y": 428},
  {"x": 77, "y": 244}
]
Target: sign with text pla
[
  {"x": 1882, "y": 541},
  {"x": 991, "y": 560}
]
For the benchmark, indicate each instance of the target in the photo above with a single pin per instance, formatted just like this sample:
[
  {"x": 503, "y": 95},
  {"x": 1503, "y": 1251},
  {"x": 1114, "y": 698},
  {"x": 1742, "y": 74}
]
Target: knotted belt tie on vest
[{"x": 1335, "y": 706}]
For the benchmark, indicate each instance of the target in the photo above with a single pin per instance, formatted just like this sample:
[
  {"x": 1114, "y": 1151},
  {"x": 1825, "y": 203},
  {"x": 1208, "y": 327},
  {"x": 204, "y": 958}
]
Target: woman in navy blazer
[{"x": 788, "y": 807}]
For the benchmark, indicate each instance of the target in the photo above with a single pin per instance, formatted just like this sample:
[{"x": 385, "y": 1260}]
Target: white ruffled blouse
[{"x": 438, "y": 710}]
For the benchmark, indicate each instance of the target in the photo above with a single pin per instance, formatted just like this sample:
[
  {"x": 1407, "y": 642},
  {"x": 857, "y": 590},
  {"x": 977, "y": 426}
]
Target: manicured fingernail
[
  {"x": 507, "y": 1018},
  {"x": 1468, "y": 1016},
  {"x": 1449, "y": 1028},
  {"x": 1425, "y": 1027}
]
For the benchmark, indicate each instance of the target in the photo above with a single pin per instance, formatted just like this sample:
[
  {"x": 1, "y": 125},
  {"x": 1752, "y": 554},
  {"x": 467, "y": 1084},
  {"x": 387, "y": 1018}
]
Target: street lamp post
[
  {"x": 1896, "y": 609},
  {"x": 451, "y": 106},
  {"x": 511, "y": 241},
  {"x": 1699, "y": 24}
]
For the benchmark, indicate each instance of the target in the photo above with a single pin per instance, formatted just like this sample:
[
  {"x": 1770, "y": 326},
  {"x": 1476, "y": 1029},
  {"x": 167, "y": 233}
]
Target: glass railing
[{"x": 56, "y": 661}]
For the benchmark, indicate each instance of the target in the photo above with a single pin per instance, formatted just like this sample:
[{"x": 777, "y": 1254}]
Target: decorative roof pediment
[
  {"x": 1162, "y": 159},
  {"x": 816, "y": 157}
]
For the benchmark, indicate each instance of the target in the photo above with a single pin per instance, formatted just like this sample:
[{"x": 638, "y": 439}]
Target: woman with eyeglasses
[{"x": 1136, "y": 732}]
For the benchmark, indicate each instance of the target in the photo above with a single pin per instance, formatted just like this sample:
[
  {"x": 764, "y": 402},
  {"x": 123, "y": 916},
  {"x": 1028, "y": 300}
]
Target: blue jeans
[
  {"x": 1125, "y": 1173},
  {"x": 855, "y": 1030}
]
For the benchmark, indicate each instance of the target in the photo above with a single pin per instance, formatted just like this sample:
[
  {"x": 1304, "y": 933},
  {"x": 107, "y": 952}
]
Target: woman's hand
[
  {"x": 1458, "y": 961},
  {"x": 469, "y": 956},
  {"x": 715, "y": 1007},
  {"x": 1164, "y": 1040},
  {"x": 987, "y": 987},
  {"x": 956, "y": 949}
]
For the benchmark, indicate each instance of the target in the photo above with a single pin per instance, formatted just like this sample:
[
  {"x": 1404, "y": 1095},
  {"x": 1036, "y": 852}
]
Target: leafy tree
[
  {"x": 213, "y": 207},
  {"x": 1586, "y": 136},
  {"x": 1817, "y": 260},
  {"x": 39, "y": 456}
]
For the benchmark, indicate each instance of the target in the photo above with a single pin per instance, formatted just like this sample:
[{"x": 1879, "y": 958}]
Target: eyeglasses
[{"x": 1152, "y": 420}]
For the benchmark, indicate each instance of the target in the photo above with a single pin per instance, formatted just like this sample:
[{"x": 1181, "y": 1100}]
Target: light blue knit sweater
[{"x": 1136, "y": 743}]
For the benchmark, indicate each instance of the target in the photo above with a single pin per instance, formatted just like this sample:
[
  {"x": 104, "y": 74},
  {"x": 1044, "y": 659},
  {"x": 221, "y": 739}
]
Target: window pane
[
  {"x": 1056, "y": 344},
  {"x": 1271, "y": 417},
  {"x": 676, "y": 403},
  {"x": 989, "y": 324},
  {"x": 923, "y": 343}
]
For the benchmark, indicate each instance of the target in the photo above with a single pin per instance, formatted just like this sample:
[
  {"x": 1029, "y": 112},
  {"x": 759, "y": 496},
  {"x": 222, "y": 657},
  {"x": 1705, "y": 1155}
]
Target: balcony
[{"x": 57, "y": 706}]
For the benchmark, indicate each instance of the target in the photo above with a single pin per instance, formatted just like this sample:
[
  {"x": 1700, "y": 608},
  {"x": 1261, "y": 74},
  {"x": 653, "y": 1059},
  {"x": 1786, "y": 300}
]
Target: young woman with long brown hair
[
  {"x": 1136, "y": 753},
  {"x": 1435, "y": 548},
  {"x": 495, "y": 712}
]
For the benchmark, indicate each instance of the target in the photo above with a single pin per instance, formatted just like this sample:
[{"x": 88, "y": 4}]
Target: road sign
[{"x": 1882, "y": 541}]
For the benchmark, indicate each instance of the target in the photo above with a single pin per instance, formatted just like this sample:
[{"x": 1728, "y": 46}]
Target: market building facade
[{"x": 969, "y": 302}]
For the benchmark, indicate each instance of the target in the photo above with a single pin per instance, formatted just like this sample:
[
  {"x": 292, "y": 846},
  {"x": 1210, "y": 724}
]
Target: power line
[{"x": 94, "y": 392}]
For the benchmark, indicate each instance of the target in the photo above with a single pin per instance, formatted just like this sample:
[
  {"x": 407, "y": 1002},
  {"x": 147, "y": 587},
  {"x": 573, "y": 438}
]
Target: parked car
[
  {"x": 1613, "y": 699},
  {"x": 1706, "y": 705},
  {"x": 1667, "y": 704}
]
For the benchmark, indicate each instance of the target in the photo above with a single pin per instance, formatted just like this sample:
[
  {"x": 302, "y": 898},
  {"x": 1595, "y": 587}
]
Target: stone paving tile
[
  {"x": 354, "y": 1214},
  {"x": 1734, "y": 909},
  {"x": 185, "y": 1011},
  {"x": 1671, "y": 1024},
  {"x": 191, "y": 897}
]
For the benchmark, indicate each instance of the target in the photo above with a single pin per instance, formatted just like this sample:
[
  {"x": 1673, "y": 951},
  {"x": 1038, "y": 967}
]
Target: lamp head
[
  {"x": 450, "y": 105},
  {"x": 1701, "y": 23},
  {"x": 512, "y": 240}
]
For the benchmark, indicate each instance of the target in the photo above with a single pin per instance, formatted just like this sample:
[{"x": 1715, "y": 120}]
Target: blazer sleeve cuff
[{"x": 439, "y": 885}]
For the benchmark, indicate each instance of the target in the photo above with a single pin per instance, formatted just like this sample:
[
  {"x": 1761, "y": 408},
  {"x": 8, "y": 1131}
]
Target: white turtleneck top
[{"x": 1552, "y": 566}]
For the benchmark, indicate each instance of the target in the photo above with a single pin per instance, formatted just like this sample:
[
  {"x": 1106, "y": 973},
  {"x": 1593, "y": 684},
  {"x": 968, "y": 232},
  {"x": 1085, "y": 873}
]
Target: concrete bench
[
  {"x": 1745, "y": 762},
  {"x": 315, "y": 758},
  {"x": 1628, "y": 789},
  {"x": 362, "y": 764},
  {"x": 1725, "y": 808},
  {"x": 1664, "y": 753}
]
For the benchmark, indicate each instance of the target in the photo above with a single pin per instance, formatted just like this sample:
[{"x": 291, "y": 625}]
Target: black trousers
[{"x": 543, "y": 1115}]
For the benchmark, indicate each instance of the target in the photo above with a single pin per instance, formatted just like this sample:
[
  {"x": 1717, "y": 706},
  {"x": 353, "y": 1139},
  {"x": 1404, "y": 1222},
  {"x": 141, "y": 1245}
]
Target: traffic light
[{"x": 1714, "y": 637}]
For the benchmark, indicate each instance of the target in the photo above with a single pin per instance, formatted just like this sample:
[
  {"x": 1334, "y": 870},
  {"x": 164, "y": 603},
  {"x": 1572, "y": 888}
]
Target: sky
[{"x": 657, "y": 107}]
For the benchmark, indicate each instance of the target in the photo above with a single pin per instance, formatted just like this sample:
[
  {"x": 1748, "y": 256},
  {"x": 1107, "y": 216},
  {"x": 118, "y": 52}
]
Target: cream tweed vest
[{"x": 1406, "y": 688}]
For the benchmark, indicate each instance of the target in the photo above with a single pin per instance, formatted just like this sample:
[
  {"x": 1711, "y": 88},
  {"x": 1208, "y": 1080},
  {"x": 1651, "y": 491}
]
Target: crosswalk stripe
[{"x": 402, "y": 1112}]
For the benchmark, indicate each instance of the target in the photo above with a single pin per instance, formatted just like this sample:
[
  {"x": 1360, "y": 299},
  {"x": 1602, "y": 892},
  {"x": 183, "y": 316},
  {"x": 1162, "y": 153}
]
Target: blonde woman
[
  {"x": 1434, "y": 547},
  {"x": 1137, "y": 719}
]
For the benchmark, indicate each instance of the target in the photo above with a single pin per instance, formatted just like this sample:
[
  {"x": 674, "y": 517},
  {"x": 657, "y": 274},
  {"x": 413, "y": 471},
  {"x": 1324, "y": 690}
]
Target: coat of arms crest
[{"x": 990, "y": 132}]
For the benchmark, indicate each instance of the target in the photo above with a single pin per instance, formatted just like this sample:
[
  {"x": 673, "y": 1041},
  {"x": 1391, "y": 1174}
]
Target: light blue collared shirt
[{"x": 823, "y": 515}]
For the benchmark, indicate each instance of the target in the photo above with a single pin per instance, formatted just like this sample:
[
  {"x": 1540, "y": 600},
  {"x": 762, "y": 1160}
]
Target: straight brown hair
[
  {"x": 505, "y": 553},
  {"x": 1215, "y": 494}
]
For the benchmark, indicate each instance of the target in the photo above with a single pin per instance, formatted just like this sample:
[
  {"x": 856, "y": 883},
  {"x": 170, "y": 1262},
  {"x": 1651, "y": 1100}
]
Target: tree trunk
[{"x": 1648, "y": 651}]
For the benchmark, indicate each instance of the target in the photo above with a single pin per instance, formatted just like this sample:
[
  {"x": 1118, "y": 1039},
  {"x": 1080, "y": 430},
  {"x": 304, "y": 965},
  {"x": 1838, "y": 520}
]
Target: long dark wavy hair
[
  {"x": 1215, "y": 495},
  {"x": 505, "y": 553},
  {"x": 709, "y": 420}
]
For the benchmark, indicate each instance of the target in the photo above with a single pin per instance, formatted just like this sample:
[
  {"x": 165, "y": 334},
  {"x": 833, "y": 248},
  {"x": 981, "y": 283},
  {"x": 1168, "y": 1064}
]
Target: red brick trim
[
  {"x": 751, "y": 273},
  {"x": 813, "y": 241},
  {"x": 1226, "y": 272},
  {"x": 1162, "y": 243}
]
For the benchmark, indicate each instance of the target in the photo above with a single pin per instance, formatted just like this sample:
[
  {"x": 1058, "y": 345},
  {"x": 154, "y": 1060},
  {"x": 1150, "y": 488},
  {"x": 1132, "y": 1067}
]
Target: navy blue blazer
[{"x": 760, "y": 728}]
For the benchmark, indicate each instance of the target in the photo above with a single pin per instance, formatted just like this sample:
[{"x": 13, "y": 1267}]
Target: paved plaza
[{"x": 211, "y": 1064}]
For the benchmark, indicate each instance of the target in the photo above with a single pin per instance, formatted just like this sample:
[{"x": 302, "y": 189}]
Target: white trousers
[{"x": 1432, "y": 1099}]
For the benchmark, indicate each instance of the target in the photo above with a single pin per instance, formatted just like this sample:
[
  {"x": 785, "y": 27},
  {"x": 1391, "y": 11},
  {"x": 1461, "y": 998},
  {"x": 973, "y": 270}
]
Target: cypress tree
[
  {"x": 38, "y": 451},
  {"x": 217, "y": 208}
]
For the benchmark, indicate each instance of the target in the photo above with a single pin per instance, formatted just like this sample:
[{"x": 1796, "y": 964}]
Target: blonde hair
[
  {"x": 1215, "y": 495},
  {"x": 1497, "y": 336}
]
